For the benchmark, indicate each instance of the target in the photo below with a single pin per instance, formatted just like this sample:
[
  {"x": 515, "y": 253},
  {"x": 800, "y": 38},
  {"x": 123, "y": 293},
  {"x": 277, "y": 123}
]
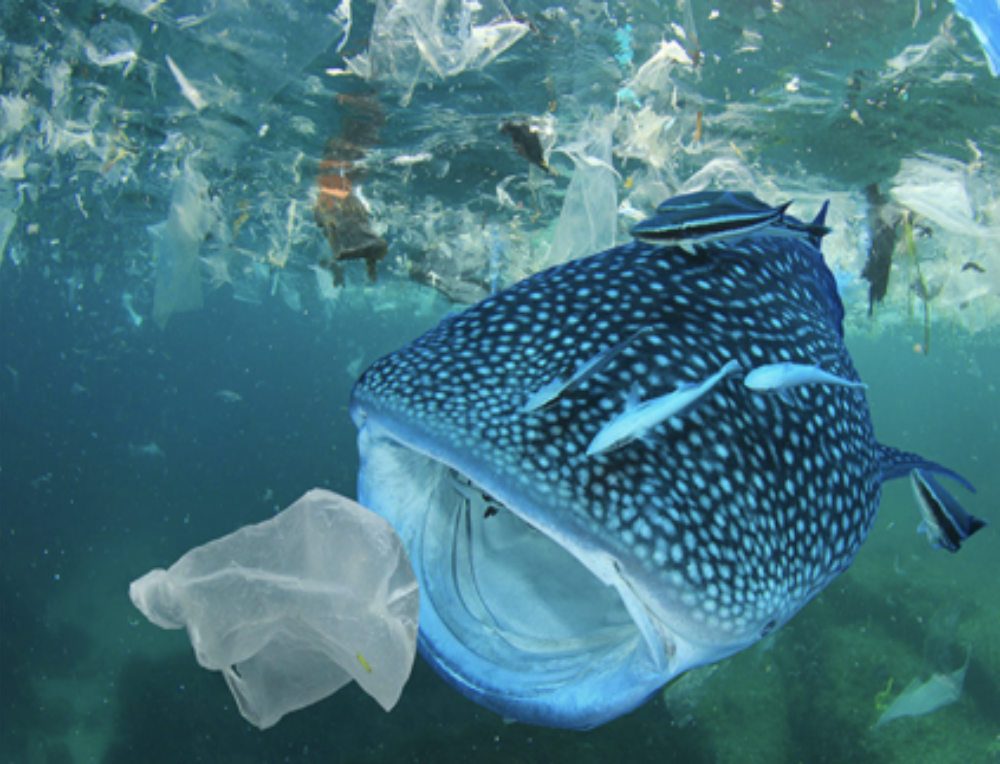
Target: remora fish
[
  {"x": 711, "y": 216},
  {"x": 707, "y": 216},
  {"x": 606, "y": 576}
]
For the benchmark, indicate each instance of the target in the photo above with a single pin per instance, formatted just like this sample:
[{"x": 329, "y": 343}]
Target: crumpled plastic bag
[{"x": 293, "y": 608}]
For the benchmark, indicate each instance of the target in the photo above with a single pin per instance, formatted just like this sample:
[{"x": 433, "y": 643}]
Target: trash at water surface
[{"x": 413, "y": 38}]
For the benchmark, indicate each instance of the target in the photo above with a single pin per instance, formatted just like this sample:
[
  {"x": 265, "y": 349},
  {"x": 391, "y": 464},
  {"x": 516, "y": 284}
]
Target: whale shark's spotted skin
[{"x": 725, "y": 519}]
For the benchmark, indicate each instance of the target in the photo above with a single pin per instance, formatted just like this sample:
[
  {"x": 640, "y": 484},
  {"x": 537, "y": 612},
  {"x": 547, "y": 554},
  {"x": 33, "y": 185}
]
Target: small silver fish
[
  {"x": 552, "y": 389},
  {"x": 777, "y": 377},
  {"x": 638, "y": 418}
]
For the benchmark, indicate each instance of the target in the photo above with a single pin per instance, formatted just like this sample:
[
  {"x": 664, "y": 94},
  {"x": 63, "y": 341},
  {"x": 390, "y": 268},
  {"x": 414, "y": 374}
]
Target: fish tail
[{"x": 818, "y": 228}]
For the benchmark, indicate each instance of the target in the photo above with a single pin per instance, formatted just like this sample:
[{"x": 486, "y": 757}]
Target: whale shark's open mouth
[{"x": 508, "y": 613}]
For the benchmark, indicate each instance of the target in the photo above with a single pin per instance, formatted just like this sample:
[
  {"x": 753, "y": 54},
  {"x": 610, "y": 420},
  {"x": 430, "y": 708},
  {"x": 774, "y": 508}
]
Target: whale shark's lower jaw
[{"x": 509, "y": 615}]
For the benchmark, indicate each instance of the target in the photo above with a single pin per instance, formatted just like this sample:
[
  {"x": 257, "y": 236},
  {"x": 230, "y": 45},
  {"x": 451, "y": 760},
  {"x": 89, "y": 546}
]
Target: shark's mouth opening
[
  {"x": 507, "y": 613},
  {"x": 495, "y": 574}
]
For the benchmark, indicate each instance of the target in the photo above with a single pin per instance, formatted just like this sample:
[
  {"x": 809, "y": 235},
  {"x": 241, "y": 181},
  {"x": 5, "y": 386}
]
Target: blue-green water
[{"x": 122, "y": 444}]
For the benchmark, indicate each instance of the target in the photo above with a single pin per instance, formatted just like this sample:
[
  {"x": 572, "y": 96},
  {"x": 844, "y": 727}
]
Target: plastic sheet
[
  {"x": 654, "y": 76},
  {"x": 240, "y": 54},
  {"x": 645, "y": 136},
  {"x": 588, "y": 219},
  {"x": 936, "y": 188},
  {"x": 293, "y": 608},
  {"x": 445, "y": 37},
  {"x": 176, "y": 243}
]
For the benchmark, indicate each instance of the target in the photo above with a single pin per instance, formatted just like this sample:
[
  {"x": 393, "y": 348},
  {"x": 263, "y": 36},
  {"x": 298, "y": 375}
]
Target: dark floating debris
[
  {"x": 882, "y": 226},
  {"x": 526, "y": 142},
  {"x": 972, "y": 265}
]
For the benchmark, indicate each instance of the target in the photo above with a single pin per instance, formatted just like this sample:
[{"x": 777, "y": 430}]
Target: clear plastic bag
[{"x": 293, "y": 608}]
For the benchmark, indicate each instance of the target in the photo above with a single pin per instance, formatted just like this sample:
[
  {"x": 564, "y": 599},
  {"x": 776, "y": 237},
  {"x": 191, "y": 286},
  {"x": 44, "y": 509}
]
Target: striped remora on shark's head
[
  {"x": 565, "y": 575},
  {"x": 697, "y": 219}
]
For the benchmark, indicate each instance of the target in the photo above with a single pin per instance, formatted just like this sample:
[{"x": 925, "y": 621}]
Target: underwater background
[{"x": 214, "y": 215}]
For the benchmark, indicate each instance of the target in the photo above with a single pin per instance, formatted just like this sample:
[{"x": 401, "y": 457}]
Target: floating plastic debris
[
  {"x": 150, "y": 450},
  {"x": 176, "y": 242},
  {"x": 409, "y": 37},
  {"x": 134, "y": 318},
  {"x": 654, "y": 75},
  {"x": 228, "y": 396},
  {"x": 189, "y": 91},
  {"x": 883, "y": 220},
  {"x": 293, "y": 608},
  {"x": 526, "y": 142},
  {"x": 936, "y": 188},
  {"x": 588, "y": 220},
  {"x": 340, "y": 210}
]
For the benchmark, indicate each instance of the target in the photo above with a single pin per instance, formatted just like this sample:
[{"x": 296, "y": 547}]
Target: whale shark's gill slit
[
  {"x": 465, "y": 565},
  {"x": 656, "y": 646},
  {"x": 462, "y": 529}
]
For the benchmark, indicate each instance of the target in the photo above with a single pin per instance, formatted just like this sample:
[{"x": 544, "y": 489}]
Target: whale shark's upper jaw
[{"x": 540, "y": 626}]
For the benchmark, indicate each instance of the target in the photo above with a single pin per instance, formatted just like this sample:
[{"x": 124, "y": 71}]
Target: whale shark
[{"x": 576, "y": 548}]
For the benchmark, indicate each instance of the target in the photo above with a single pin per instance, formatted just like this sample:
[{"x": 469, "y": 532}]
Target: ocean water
[{"x": 176, "y": 356}]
